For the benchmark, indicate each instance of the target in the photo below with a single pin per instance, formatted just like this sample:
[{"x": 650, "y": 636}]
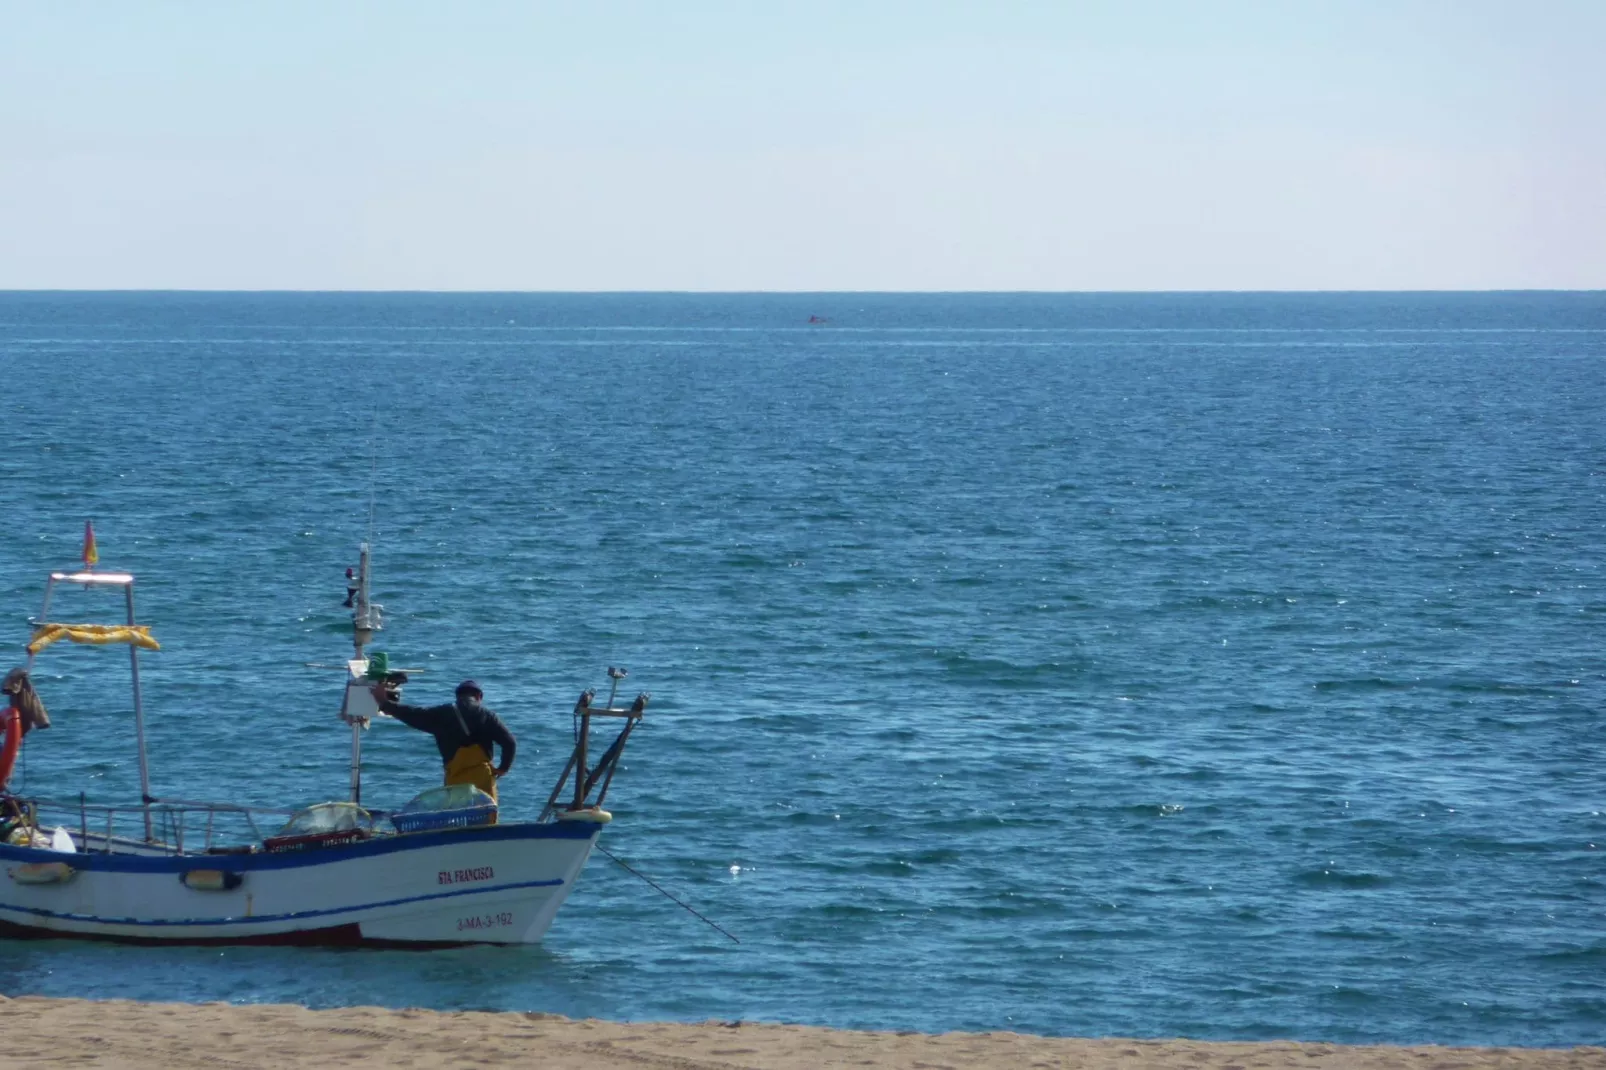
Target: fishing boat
[{"x": 440, "y": 871}]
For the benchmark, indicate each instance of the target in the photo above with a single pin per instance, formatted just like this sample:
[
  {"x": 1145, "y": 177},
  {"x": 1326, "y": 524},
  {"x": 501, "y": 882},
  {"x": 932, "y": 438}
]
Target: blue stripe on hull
[
  {"x": 264, "y": 860},
  {"x": 269, "y": 919}
]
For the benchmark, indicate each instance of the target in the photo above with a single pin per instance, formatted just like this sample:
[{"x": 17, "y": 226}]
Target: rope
[{"x": 677, "y": 902}]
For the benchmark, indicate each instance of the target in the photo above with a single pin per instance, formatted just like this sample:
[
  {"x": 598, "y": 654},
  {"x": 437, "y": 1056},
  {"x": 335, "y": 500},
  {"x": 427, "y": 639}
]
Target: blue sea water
[{"x": 1226, "y": 666}]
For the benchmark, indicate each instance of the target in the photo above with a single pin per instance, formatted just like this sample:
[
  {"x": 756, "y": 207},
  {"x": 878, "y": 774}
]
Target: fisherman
[{"x": 464, "y": 731}]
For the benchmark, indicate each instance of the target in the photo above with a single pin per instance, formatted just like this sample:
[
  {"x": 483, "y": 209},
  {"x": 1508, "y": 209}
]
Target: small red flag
[{"x": 91, "y": 554}]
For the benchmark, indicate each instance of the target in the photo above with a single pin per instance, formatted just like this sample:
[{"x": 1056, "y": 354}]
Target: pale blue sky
[{"x": 821, "y": 146}]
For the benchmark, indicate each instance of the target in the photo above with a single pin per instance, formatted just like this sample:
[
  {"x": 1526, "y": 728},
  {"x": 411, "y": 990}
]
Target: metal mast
[{"x": 366, "y": 619}]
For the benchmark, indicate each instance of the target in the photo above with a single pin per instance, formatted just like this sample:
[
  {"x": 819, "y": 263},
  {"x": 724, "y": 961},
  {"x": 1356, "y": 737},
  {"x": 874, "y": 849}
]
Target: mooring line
[{"x": 655, "y": 884}]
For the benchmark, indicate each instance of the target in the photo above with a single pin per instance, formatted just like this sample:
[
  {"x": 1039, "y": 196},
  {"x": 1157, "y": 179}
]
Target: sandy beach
[{"x": 173, "y": 1036}]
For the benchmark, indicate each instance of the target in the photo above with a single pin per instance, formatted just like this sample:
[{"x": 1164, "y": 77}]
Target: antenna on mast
[
  {"x": 373, "y": 479},
  {"x": 367, "y": 617},
  {"x": 359, "y": 705}
]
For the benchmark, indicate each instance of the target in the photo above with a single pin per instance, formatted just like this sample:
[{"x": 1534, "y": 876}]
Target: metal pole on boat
[
  {"x": 44, "y": 616},
  {"x": 362, "y": 623},
  {"x": 356, "y": 762},
  {"x": 580, "y": 758},
  {"x": 363, "y": 626},
  {"x": 139, "y": 718}
]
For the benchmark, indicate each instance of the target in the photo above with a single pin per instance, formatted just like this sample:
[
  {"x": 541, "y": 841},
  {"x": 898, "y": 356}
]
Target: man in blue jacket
[{"x": 464, "y": 732}]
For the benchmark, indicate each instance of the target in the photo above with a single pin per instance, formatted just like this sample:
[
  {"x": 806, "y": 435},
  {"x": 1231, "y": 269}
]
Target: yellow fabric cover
[
  {"x": 99, "y": 634},
  {"x": 472, "y": 765}
]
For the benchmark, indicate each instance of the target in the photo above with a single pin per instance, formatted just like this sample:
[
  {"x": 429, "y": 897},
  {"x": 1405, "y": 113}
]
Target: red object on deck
[
  {"x": 311, "y": 841},
  {"x": 12, "y": 743}
]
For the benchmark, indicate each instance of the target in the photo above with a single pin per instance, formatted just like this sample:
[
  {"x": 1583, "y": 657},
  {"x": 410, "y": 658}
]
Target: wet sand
[{"x": 175, "y": 1036}]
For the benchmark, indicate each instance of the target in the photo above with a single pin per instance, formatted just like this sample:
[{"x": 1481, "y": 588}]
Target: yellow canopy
[{"x": 99, "y": 634}]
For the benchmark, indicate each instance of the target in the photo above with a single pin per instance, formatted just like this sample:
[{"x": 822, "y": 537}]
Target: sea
[{"x": 1224, "y": 666}]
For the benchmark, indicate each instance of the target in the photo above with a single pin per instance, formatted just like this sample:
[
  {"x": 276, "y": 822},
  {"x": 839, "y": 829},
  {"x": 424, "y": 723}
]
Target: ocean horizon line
[{"x": 367, "y": 292}]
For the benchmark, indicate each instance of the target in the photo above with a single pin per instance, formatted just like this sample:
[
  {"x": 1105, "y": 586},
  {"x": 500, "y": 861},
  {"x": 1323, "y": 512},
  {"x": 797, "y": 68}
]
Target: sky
[{"x": 725, "y": 146}]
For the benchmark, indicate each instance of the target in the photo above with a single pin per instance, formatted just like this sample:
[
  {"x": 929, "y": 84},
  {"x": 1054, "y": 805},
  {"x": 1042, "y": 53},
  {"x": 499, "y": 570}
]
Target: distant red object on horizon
[{"x": 818, "y": 319}]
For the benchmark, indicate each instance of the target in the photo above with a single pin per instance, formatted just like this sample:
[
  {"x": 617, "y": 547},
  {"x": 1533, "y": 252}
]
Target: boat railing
[{"x": 177, "y": 826}]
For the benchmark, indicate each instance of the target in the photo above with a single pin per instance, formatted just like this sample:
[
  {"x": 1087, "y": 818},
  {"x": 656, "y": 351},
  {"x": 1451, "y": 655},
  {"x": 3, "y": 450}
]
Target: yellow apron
[{"x": 472, "y": 765}]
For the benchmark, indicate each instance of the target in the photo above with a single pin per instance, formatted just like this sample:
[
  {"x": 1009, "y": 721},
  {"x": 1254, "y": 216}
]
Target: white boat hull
[{"x": 497, "y": 884}]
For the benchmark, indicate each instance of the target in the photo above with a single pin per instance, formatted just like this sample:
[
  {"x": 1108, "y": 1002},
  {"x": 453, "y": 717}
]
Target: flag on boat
[{"x": 91, "y": 555}]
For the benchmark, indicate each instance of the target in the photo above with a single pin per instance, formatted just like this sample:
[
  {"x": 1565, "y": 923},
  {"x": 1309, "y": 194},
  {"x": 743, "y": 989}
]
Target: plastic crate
[{"x": 430, "y": 820}]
